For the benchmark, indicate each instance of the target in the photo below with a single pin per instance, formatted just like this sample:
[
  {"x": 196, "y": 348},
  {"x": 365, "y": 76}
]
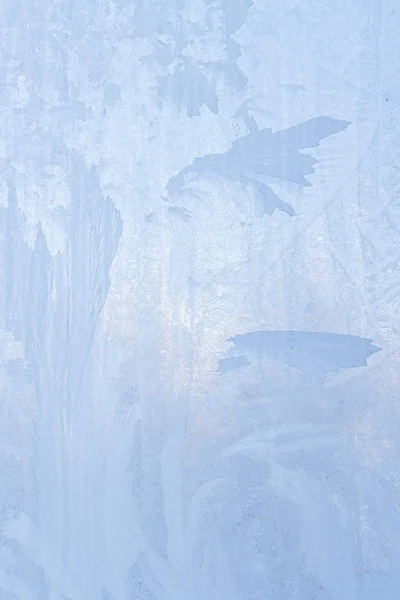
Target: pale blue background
[{"x": 199, "y": 300}]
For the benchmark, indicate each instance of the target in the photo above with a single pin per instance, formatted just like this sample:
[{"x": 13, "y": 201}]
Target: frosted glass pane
[{"x": 199, "y": 300}]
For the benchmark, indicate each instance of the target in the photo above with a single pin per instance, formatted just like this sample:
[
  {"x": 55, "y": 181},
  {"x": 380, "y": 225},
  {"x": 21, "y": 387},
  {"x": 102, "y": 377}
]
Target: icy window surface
[{"x": 199, "y": 300}]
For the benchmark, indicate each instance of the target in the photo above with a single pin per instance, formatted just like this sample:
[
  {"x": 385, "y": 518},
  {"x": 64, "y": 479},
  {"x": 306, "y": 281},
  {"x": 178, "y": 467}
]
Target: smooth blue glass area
[{"x": 199, "y": 300}]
